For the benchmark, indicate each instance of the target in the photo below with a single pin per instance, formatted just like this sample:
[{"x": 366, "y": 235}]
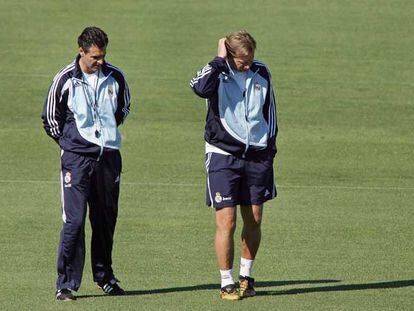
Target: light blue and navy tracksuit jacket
[
  {"x": 240, "y": 121},
  {"x": 83, "y": 121}
]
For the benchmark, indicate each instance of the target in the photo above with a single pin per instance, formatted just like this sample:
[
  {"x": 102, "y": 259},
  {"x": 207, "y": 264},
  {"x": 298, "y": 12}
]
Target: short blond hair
[{"x": 240, "y": 43}]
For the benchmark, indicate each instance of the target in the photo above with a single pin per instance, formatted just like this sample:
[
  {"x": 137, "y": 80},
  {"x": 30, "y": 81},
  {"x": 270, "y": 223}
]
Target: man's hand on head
[{"x": 221, "y": 49}]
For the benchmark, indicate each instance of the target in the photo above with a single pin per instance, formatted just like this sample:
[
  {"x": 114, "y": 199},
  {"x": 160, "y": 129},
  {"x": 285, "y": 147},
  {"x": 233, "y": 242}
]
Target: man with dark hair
[
  {"x": 87, "y": 101},
  {"x": 92, "y": 36},
  {"x": 240, "y": 137}
]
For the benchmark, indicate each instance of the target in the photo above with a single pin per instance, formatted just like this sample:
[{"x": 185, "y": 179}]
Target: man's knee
[
  {"x": 226, "y": 227},
  {"x": 252, "y": 217},
  {"x": 226, "y": 221}
]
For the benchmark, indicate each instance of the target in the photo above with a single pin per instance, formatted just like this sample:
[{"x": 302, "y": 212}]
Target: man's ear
[{"x": 81, "y": 51}]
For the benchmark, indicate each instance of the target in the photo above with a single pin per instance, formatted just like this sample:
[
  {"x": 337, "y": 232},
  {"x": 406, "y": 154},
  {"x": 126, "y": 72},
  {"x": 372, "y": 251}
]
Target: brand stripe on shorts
[{"x": 208, "y": 160}]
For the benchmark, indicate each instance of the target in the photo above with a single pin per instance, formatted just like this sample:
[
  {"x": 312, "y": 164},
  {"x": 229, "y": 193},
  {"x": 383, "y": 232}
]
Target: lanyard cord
[{"x": 93, "y": 102}]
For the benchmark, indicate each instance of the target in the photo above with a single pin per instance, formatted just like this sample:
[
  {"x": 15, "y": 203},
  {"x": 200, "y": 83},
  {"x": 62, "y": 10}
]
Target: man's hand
[{"x": 221, "y": 49}]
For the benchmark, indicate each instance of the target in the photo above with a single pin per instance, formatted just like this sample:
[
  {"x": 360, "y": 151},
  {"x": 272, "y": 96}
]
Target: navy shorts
[{"x": 234, "y": 181}]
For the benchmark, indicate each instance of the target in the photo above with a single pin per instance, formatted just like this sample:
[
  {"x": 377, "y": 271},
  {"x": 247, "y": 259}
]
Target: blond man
[{"x": 240, "y": 135}]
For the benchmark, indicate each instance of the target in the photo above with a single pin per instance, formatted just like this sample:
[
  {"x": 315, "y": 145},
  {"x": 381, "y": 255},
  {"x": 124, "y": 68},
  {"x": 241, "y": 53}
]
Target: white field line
[{"x": 161, "y": 184}]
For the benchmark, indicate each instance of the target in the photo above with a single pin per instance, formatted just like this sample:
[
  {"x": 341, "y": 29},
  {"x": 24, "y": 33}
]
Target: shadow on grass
[
  {"x": 339, "y": 288},
  {"x": 206, "y": 287},
  {"x": 293, "y": 291}
]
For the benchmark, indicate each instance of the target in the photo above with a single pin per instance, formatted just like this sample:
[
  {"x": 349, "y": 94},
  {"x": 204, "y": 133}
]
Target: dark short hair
[{"x": 92, "y": 36}]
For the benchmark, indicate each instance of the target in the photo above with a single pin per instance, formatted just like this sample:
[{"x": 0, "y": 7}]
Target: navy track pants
[{"x": 87, "y": 182}]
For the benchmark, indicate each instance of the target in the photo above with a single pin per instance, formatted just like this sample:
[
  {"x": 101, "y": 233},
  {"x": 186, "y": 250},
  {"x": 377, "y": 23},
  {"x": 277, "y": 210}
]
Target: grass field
[{"x": 340, "y": 235}]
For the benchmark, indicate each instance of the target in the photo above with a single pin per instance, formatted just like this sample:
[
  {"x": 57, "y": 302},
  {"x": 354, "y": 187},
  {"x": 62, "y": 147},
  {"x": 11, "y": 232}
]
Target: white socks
[
  {"x": 226, "y": 277},
  {"x": 246, "y": 266}
]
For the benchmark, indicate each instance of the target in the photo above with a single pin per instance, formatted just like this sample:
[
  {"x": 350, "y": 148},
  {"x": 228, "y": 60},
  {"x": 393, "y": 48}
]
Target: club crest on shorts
[{"x": 218, "y": 198}]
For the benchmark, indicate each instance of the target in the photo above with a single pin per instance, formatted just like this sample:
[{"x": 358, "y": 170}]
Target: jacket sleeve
[
  {"x": 271, "y": 115},
  {"x": 54, "y": 109},
  {"x": 124, "y": 96},
  {"x": 206, "y": 81}
]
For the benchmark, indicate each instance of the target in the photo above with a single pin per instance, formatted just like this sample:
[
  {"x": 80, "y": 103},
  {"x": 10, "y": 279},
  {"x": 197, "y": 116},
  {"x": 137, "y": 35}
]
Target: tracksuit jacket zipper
[
  {"x": 245, "y": 93},
  {"x": 94, "y": 106}
]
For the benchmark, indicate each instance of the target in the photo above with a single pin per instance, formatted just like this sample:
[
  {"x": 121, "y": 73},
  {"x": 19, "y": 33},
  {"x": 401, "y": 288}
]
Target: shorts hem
[
  {"x": 257, "y": 202},
  {"x": 221, "y": 206}
]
